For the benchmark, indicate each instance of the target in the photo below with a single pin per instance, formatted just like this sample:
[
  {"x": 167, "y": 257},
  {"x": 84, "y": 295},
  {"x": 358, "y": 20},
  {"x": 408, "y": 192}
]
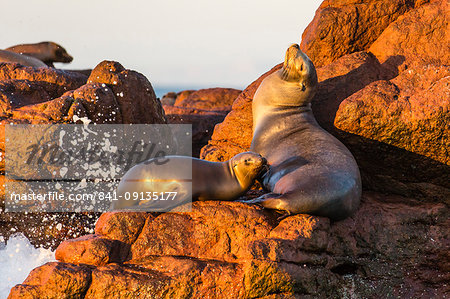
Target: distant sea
[{"x": 162, "y": 90}]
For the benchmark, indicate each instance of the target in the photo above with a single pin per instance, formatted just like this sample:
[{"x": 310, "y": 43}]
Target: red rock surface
[
  {"x": 205, "y": 233},
  {"x": 203, "y": 109},
  {"x": 54, "y": 280},
  {"x": 182, "y": 95},
  {"x": 219, "y": 99},
  {"x": 421, "y": 36},
  {"x": 346, "y": 26},
  {"x": 407, "y": 112},
  {"x": 342, "y": 78},
  {"x": 92, "y": 250},
  {"x": 54, "y": 81},
  {"x": 399, "y": 128},
  {"x": 203, "y": 122},
  {"x": 404, "y": 125},
  {"x": 168, "y": 99},
  {"x": 121, "y": 226},
  {"x": 134, "y": 93},
  {"x": 224, "y": 249}
]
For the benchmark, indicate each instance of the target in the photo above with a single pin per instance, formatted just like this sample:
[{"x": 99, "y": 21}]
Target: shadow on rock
[
  {"x": 334, "y": 89},
  {"x": 390, "y": 169}
]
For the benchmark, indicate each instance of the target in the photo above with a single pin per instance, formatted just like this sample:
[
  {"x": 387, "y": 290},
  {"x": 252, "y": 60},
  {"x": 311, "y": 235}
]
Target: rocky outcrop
[
  {"x": 347, "y": 26},
  {"x": 54, "y": 81},
  {"x": 217, "y": 99},
  {"x": 91, "y": 250},
  {"x": 47, "y": 95},
  {"x": 134, "y": 93},
  {"x": 30, "y": 95},
  {"x": 224, "y": 249},
  {"x": 403, "y": 122},
  {"x": 399, "y": 131},
  {"x": 420, "y": 36},
  {"x": 203, "y": 109}
]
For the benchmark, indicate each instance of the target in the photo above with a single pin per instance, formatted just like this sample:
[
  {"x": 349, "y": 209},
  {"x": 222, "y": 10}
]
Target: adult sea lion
[
  {"x": 142, "y": 186},
  {"x": 47, "y": 52},
  {"x": 7, "y": 56},
  {"x": 310, "y": 171}
]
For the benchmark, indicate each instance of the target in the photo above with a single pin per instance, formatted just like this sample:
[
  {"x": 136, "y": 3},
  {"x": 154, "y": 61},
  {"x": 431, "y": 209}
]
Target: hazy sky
[{"x": 197, "y": 43}]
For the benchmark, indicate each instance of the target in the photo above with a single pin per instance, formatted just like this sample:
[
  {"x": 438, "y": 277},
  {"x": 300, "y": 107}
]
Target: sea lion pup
[
  {"x": 47, "y": 52},
  {"x": 11, "y": 57},
  {"x": 310, "y": 171},
  {"x": 146, "y": 186}
]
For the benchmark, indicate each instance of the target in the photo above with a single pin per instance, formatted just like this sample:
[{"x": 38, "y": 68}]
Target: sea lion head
[
  {"x": 247, "y": 166},
  {"x": 298, "y": 68},
  {"x": 299, "y": 73},
  {"x": 56, "y": 53},
  {"x": 294, "y": 85}
]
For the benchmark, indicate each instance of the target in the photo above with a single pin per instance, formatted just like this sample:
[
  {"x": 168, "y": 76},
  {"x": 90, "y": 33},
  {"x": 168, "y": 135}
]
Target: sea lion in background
[
  {"x": 210, "y": 181},
  {"x": 47, "y": 52},
  {"x": 11, "y": 57},
  {"x": 310, "y": 171}
]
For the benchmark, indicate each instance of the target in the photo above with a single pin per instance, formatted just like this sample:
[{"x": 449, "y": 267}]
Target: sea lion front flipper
[
  {"x": 268, "y": 198},
  {"x": 273, "y": 201}
]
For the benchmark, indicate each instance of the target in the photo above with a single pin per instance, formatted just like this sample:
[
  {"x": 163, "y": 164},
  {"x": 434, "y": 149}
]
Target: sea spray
[{"x": 17, "y": 258}]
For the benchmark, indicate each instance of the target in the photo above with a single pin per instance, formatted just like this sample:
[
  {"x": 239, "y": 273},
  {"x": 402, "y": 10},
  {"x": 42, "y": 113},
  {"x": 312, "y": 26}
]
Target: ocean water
[
  {"x": 17, "y": 258},
  {"x": 162, "y": 90}
]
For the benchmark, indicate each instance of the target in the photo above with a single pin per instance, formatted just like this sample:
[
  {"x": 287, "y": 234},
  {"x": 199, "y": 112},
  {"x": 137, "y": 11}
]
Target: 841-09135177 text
[{"x": 107, "y": 196}]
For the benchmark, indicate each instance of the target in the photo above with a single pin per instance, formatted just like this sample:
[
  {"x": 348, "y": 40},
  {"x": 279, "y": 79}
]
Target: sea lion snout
[
  {"x": 296, "y": 65},
  {"x": 250, "y": 158},
  {"x": 61, "y": 54},
  {"x": 299, "y": 69},
  {"x": 291, "y": 53},
  {"x": 65, "y": 57}
]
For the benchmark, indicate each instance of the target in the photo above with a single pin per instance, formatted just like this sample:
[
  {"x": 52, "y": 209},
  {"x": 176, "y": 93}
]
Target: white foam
[{"x": 17, "y": 258}]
